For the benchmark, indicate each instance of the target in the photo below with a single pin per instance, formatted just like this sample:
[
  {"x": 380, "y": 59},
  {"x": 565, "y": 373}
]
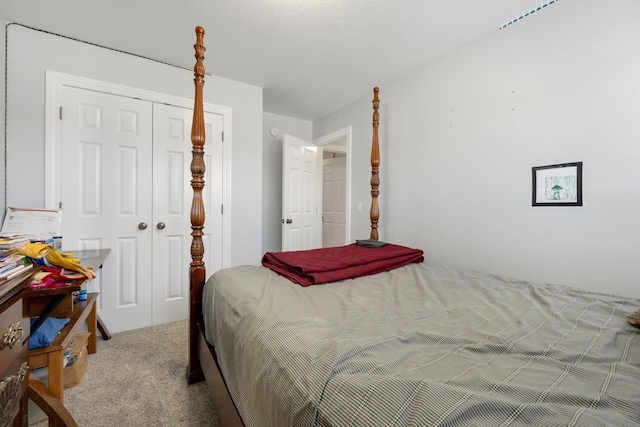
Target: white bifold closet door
[{"x": 126, "y": 186}]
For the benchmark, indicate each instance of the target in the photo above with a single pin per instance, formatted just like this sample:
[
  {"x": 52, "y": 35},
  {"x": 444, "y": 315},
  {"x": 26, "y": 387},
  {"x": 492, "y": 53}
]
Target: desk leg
[
  {"x": 56, "y": 379},
  {"x": 92, "y": 320},
  {"x": 103, "y": 330}
]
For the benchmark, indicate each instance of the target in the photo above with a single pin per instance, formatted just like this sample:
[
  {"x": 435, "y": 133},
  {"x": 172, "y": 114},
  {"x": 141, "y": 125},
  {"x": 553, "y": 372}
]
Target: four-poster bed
[{"x": 420, "y": 344}]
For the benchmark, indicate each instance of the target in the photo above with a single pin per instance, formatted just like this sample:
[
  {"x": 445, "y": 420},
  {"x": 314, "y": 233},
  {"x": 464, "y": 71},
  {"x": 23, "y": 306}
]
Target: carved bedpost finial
[
  {"x": 197, "y": 271},
  {"x": 197, "y": 162},
  {"x": 375, "y": 165}
]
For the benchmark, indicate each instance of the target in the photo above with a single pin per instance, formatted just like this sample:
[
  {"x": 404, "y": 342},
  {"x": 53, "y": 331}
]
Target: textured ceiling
[{"x": 310, "y": 56}]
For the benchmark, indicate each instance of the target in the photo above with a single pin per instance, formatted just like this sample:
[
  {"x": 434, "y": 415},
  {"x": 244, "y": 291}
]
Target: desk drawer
[
  {"x": 14, "y": 331},
  {"x": 38, "y": 304},
  {"x": 14, "y": 353}
]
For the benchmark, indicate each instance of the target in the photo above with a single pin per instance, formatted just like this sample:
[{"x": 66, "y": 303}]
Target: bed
[{"x": 418, "y": 345}]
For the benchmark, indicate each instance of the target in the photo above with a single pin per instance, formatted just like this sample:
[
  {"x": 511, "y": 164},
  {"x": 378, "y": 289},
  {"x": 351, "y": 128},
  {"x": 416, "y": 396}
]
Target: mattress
[{"x": 422, "y": 345}]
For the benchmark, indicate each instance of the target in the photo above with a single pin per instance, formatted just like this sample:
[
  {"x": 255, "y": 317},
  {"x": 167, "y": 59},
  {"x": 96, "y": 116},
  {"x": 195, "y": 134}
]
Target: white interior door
[
  {"x": 172, "y": 204},
  {"x": 106, "y": 182},
  {"x": 334, "y": 201},
  {"x": 299, "y": 205}
]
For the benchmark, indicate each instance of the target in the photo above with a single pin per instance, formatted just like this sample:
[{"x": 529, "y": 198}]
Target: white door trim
[
  {"x": 53, "y": 139},
  {"x": 325, "y": 141}
]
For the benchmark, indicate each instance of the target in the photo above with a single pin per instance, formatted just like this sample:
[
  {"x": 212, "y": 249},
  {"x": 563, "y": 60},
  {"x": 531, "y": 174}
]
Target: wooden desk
[
  {"x": 53, "y": 355},
  {"x": 17, "y": 385}
]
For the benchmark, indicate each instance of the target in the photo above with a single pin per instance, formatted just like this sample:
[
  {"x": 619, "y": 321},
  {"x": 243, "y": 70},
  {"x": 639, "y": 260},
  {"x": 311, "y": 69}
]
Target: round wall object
[{"x": 275, "y": 131}]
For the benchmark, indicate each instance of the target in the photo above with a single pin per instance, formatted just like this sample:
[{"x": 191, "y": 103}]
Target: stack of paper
[
  {"x": 37, "y": 224},
  {"x": 12, "y": 241}
]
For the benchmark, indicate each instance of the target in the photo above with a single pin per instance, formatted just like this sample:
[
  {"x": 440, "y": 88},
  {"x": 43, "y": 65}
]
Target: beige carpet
[{"x": 138, "y": 378}]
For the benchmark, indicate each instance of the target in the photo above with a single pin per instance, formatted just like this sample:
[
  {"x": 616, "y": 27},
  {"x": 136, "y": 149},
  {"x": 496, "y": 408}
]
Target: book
[
  {"x": 11, "y": 236},
  {"x": 9, "y": 267},
  {"x": 13, "y": 242},
  {"x": 13, "y": 268},
  {"x": 19, "y": 270},
  {"x": 10, "y": 286},
  {"x": 9, "y": 259}
]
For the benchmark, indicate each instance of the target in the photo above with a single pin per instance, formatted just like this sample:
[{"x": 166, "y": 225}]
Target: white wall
[
  {"x": 358, "y": 115},
  {"x": 31, "y": 52},
  {"x": 459, "y": 139},
  {"x": 2, "y": 110},
  {"x": 272, "y": 174}
]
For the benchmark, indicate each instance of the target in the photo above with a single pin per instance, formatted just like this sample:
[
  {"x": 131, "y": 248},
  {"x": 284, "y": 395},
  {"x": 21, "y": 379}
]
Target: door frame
[
  {"x": 325, "y": 142},
  {"x": 53, "y": 139}
]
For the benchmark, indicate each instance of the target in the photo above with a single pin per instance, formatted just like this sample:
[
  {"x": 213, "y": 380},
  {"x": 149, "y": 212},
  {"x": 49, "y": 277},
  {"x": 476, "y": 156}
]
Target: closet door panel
[
  {"x": 172, "y": 206},
  {"x": 106, "y": 197}
]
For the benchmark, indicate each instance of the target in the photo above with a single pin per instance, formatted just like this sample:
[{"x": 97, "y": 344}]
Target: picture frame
[{"x": 557, "y": 185}]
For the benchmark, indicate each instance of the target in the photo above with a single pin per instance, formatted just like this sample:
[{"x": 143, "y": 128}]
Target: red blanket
[{"x": 325, "y": 265}]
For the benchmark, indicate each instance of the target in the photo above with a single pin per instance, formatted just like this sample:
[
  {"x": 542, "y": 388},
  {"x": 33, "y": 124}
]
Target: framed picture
[{"x": 557, "y": 185}]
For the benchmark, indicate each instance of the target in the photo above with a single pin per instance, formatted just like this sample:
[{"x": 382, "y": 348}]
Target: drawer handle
[
  {"x": 10, "y": 390},
  {"x": 24, "y": 368},
  {"x": 12, "y": 336}
]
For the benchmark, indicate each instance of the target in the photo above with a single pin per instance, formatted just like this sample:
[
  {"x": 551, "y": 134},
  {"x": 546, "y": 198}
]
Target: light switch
[{"x": 359, "y": 207}]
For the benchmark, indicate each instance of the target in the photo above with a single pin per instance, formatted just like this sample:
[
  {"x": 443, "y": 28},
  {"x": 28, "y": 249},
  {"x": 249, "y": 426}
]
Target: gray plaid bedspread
[{"x": 423, "y": 345}]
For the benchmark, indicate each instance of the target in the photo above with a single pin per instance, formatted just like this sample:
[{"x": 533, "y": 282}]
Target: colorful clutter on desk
[
  {"x": 55, "y": 277},
  {"x": 46, "y": 255}
]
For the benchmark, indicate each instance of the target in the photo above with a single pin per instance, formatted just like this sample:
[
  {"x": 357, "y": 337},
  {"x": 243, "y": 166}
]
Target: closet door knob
[
  {"x": 142, "y": 226},
  {"x": 160, "y": 225}
]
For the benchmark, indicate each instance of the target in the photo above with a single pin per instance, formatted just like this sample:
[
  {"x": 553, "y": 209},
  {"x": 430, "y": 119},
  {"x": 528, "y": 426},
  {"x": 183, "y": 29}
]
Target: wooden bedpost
[
  {"x": 375, "y": 164},
  {"x": 197, "y": 271}
]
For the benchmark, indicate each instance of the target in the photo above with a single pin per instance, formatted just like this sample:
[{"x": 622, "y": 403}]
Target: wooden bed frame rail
[{"x": 203, "y": 364}]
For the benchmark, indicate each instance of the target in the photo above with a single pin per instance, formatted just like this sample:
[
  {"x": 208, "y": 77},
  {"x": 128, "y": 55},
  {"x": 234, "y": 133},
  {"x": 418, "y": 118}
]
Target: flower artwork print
[
  {"x": 561, "y": 188},
  {"x": 557, "y": 185}
]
